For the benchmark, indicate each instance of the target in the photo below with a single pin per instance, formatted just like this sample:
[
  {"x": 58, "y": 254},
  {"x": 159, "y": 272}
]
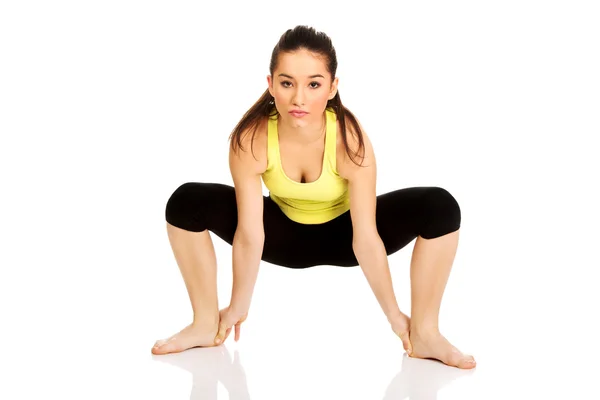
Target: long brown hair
[{"x": 301, "y": 37}]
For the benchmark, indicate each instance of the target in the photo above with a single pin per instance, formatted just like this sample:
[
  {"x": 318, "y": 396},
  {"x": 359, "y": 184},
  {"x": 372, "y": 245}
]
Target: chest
[{"x": 302, "y": 163}]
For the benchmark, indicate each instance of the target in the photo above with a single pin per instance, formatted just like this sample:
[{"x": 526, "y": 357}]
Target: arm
[
  {"x": 248, "y": 240},
  {"x": 367, "y": 244}
]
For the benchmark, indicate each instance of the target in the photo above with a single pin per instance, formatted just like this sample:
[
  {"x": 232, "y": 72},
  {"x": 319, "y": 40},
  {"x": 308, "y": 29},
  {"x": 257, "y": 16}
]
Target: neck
[{"x": 306, "y": 133}]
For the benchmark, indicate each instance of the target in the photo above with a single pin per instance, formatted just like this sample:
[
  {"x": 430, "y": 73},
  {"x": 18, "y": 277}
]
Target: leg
[
  {"x": 431, "y": 263},
  {"x": 193, "y": 211},
  {"x": 433, "y": 217},
  {"x": 195, "y": 255},
  {"x": 429, "y": 271}
]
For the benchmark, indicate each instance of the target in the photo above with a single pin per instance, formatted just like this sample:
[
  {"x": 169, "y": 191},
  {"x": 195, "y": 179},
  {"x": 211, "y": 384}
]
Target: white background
[{"x": 107, "y": 107}]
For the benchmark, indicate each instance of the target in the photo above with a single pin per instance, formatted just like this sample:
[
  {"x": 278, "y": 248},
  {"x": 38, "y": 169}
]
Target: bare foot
[
  {"x": 190, "y": 336},
  {"x": 435, "y": 346},
  {"x": 401, "y": 327}
]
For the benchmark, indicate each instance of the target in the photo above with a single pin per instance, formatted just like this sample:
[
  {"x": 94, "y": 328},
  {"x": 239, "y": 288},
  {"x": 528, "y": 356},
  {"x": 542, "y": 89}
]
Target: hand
[
  {"x": 400, "y": 324},
  {"x": 229, "y": 318}
]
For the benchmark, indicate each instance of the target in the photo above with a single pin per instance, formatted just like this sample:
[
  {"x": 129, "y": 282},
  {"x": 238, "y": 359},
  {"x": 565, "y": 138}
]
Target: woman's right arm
[{"x": 249, "y": 237}]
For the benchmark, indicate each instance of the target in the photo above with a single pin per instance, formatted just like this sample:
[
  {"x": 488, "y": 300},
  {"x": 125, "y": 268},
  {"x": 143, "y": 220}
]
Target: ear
[
  {"x": 270, "y": 84},
  {"x": 334, "y": 87}
]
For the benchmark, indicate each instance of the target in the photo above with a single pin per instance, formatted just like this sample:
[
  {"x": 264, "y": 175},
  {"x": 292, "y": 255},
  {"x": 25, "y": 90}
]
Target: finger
[
  {"x": 227, "y": 334},
  {"x": 221, "y": 333},
  {"x": 405, "y": 337},
  {"x": 237, "y": 331}
]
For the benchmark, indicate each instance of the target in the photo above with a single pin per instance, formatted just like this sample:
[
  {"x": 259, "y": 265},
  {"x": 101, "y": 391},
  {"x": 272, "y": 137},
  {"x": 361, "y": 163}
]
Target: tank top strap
[
  {"x": 272, "y": 142},
  {"x": 331, "y": 140}
]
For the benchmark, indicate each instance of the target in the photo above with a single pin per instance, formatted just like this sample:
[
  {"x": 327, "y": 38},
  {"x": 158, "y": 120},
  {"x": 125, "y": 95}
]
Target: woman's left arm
[{"x": 366, "y": 243}]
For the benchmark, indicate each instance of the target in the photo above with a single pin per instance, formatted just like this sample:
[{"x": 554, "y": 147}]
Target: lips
[{"x": 298, "y": 113}]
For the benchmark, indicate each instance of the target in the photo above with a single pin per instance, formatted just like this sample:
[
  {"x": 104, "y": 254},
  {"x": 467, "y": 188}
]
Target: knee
[
  {"x": 442, "y": 213},
  {"x": 182, "y": 207}
]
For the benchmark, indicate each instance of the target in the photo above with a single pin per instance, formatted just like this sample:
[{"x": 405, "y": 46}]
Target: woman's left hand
[{"x": 229, "y": 319}]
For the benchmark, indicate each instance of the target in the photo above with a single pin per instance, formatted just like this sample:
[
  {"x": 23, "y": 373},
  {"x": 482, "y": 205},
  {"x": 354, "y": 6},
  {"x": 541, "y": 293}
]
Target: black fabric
[{"x": 401, "y": 216}]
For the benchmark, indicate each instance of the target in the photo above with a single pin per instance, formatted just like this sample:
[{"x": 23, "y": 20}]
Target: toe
[
  {"x": 165, "y": 348},
  {"x": 470, "y": 362},
  {"x": 157, "y": 346},
  {"x": 466, "y": 362}
]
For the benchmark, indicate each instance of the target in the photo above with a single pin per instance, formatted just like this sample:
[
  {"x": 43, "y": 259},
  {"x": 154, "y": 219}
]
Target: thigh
[
  {"x": 400, "y": 216},
  {"x": 200, "y": 206},
  {"x": 426, "y": 211}
]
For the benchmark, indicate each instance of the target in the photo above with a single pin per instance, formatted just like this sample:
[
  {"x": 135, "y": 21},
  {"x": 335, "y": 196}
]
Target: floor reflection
[
  {"x": 417, "y": 380},
  {"x": 422, "y": 379}
]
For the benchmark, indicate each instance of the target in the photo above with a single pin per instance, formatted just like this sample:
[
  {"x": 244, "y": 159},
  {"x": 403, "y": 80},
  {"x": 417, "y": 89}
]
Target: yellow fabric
[{"x": 307, "y": 203}]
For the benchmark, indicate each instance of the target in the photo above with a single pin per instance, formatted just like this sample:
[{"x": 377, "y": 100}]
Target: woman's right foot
[{"x": 189, "y": 337}]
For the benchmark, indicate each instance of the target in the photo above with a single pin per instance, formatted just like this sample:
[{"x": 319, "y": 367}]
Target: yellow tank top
[{"x": 307, "y": 203}]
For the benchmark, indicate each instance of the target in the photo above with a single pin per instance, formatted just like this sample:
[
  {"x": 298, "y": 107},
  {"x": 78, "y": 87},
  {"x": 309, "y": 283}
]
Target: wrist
[
  {"x": 238, "y": 308},
  {"x": 395, "y": 316}
]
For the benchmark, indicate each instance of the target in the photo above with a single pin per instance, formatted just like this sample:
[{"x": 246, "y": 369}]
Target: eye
[{"x": 285, "y": 83}]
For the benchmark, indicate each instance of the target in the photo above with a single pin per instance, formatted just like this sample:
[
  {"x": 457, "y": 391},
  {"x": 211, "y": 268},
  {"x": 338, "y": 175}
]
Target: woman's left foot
[{"x": 434, "y": 345}]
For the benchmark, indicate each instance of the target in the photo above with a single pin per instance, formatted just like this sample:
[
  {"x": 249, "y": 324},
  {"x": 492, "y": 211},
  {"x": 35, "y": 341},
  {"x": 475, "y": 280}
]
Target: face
[{"x": 301, "y": 82}]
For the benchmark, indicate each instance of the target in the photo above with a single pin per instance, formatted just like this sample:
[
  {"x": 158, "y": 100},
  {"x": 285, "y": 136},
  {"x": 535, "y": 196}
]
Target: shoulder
[
  {"x": 253, "y": 154},
  {"x": 365, "y": 155}
]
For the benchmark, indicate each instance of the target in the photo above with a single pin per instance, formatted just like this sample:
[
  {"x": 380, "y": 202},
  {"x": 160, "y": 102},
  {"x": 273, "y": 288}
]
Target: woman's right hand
[{"x": 228, "y": 319}]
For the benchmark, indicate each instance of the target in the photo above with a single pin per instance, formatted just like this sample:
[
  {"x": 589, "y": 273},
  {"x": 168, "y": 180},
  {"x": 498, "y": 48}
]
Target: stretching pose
[{"x": 322, "y": 209}]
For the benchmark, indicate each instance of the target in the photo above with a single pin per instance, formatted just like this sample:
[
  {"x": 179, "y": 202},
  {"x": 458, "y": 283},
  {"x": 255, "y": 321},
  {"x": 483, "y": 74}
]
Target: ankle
[
  {"x": 424, "y": 329},
  {"x": 205, "y": 321}
]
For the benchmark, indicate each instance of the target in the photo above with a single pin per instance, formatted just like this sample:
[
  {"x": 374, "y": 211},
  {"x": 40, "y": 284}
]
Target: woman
[{"x": 322, "y": 208}]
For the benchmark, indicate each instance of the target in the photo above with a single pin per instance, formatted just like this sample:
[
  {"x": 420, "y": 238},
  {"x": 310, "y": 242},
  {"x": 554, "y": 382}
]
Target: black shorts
[{"x": 401, "y": 216}]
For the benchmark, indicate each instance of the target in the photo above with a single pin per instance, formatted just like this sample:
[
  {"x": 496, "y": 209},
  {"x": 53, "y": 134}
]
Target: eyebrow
[{"x": 311, "y": 77}]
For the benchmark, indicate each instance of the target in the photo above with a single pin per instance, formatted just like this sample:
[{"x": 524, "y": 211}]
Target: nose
[{"x": 298, "y": 98}]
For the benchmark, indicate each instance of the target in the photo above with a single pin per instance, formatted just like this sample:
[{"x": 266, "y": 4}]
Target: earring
[{"x": 272, "y": 102}]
